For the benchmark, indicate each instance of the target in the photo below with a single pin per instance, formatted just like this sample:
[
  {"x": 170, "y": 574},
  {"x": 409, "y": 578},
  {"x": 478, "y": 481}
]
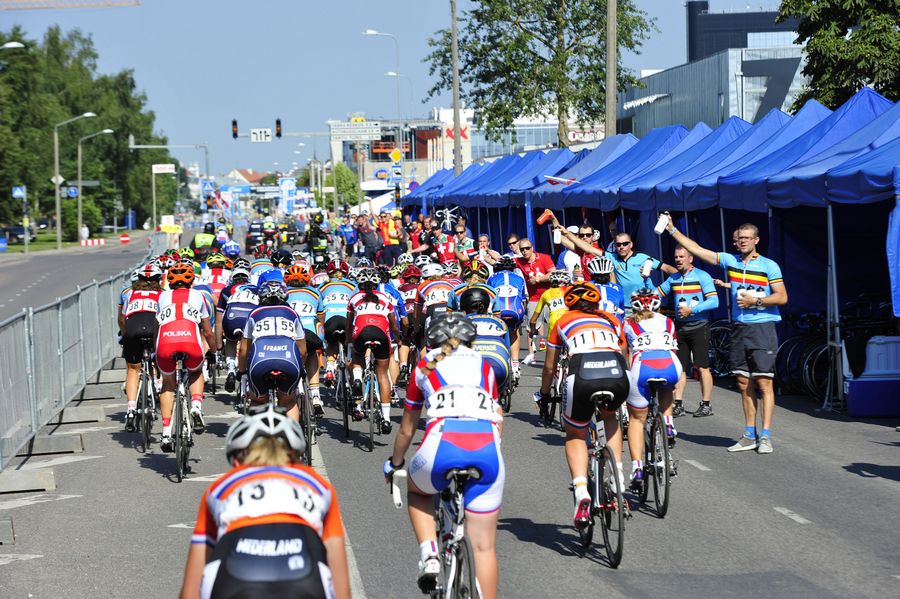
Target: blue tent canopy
[
  {"x": 867, "y": 178},
  {"x": 639, "y": 192},
  {"x": 637, "y": 159},
  {"x": 432, "y": 183},
  {"x": 487, "y": 173},
  {"x": 745, "y": 189},
  {"x": 492, "y": 191},
  {"x": 554, "y": 161},
  {"x": 804, "y": 184},
  {"x": 893, "y": 246},
  {"x": 473, "y": 171},
  {"x": 549, "y": 195}
]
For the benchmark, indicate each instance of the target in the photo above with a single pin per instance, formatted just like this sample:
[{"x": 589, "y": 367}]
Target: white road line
[
  {"x": 84, "y": 429},
  {"x": 189, "y": 525},
  {"x": 21, "y": 557},
  {"x": 33, "y": 500},
  {"x": 698, "y": 465},
  {"x": 209, "y": 478},
  {"x": 57, "y": 461},
  {"x": 792, "y": 515}
]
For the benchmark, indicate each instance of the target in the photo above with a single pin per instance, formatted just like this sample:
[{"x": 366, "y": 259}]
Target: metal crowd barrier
[{"x": 48, "y": 355}]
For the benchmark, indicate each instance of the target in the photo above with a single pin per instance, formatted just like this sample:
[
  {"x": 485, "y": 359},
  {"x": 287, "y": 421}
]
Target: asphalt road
[{"x": 818, "y": 518}]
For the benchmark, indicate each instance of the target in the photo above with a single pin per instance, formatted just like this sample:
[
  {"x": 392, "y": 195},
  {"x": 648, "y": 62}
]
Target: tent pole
[
  {"x": 478, "y": 216},
  {"x": 722, "y": 226},
  {"x": 836, "y": 316},
  {"x": 529, "y": 224}
]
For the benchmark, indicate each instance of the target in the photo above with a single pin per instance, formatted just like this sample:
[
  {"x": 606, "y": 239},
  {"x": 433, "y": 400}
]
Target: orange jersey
[
  {"x": 252, "y": 495},
  {"x": 583, "y": 332}
]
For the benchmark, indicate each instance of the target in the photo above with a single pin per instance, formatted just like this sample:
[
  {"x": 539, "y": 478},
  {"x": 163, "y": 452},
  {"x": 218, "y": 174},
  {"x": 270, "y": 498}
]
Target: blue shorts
[
  {"x": 651, "y": 364},
  {"x": 496, "y": 354},
  {"x": 235, "y": 319},
  {"x": 461, "y": 443},
  {"x": 274, "y": 353}
]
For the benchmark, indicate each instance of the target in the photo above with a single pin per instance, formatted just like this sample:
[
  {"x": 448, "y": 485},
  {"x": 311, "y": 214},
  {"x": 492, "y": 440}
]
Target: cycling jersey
[
  {"x": 334, "y": 298},
  {"x": 123, "y": 294},
  {"x": 140, "y": 301},
  {"x": 612, "y": 299},
  {"x": 259, "y": 266},
  {"x": 305, "y": 301},
  {"x": 694, "y": 289},
  {"x": 553, "y": 300},
  {"x": 318, "y": 279},
  {"x": 653, "y": 345},
  {"x": 492, "y": 342},
  {"x": 139, "y": 311},
  {"x": 179, "y": 313},
  {"x": 434, "y": 296},
  {"x": 655, "y": 333},
  {"x": 397, "y": 300},
  {"x": 409, "y": 291},
  {"x": 236, "y": 303},
  {"x": 273, "y": 332},
  {"x": 755, "y": 277},
  {"x": 208, "y": 297},
  {"x": 583, "y": 332},
  {"x": 453, "y": 302},
  {"x": 511, "y": 295},
  {"x": 371, "y": 312},
  {"x": 216, "y": 278},
  {"x": 462, "y": 385}
]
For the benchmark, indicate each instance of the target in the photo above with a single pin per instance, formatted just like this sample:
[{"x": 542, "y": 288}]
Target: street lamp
[
  {"x": 399, "y": 117},
  {"x": 12, "y": 46},
  {"x": 104, "y": 132},
  {"x": 56, "y": 178}
]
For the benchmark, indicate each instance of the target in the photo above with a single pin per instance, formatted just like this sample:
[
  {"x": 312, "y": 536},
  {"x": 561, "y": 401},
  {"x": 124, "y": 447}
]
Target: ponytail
[{"x": 446, "y": 349}]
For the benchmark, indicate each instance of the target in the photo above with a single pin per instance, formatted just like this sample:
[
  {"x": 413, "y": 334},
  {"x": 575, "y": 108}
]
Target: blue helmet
[
  {"x": 276, "y": 274},
  {"x": 232, "y": 249}
]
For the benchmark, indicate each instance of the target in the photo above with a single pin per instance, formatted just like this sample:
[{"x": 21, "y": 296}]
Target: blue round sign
[{"x": 72, "y": 192}]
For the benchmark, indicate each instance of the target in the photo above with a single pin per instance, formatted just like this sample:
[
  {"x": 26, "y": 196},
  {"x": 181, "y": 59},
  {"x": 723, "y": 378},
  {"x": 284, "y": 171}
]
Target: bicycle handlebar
[{"x": 395, "y": 488}]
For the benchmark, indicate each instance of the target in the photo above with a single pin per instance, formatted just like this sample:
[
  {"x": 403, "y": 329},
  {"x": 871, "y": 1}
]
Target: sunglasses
[
  {"x": 460, "y": 232},
  {"x": 585, "y": 234},
  {"x": 512, "y": 242},
  {"x": 622, "y": 244},
  {"x": 524, "y": 247}
]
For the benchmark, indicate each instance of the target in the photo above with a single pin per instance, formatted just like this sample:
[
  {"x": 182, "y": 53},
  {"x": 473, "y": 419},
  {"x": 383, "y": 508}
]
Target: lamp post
[
  {"x": 399, "y": 116},
  {"x": 56, "y": 178},
  {"x": 86, "y": 137}
]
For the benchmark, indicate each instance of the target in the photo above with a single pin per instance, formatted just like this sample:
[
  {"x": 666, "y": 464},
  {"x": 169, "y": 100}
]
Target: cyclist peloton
[
  {"x": 267, "y": 500},
  {"x": 400, "y": 315},
  {"x": 472, "y": 419},
  {"x": 236, "y": 302},
  {"x": 552, "y": 300},
  {"x": 203, "y": 243},
  {"x": 410, "y": 278},
  {"x": 492, "y": 339},
  {"x": 137, "y": 324},
  {"x": 304, "y": 299},
  {"x": 334, "y": 299}
]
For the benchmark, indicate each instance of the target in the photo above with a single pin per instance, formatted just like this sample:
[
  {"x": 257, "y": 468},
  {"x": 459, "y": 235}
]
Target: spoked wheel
[
  {"x": 373, "y": 409},
  {"x": 308, "y": 423},
  {"x": 659, "y": 466},
  {"x": 612, "y": 508},
  {"x": 648, "y": 470},
  {"x": 506, "y": 398},
  {"x": 145, "y": 414},
  {"x": 342, "y": 397},
  {"x": 464, "y": 585},
  {"x": 586, "y": 534},
  {"x": 178, "y": 426}
]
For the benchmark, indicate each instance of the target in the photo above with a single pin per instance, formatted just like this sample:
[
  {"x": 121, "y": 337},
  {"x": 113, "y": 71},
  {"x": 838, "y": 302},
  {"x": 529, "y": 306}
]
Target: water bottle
[{"x": 661, "y": 223}]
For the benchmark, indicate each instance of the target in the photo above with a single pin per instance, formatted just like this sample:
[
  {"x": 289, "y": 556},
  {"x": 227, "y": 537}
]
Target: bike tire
[
  {"x": 648, "y": 457},
  {"x": 343, "y": 397},
  {"x": 586, "y": 534},
  {"x": 612, "y": 508},
  {"x": 145, "y": 415},
  {"x": 178, "y": 428},
  {"x": 310, "y": 427},
  {"x": 719, "y": 345},
  {"x": 371, "y": 401},
  {"x": 816, "y": 368},
  {"x": 659, "y": 467},
  {"x": 464, "y": 585}
]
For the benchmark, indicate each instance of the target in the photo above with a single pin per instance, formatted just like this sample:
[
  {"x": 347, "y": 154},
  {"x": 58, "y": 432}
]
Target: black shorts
[
  {"x": 241, "y": 569},
  {"x": 313, "y": 342},
  {"x": 370, "y": 333},
  {"x": 589, "y": 373},
  {"x": 753, "y": 349},
  {"x": 332, "y": 326},
  {"x": 138, "y": 328},
  {"x": 693, "y": 344}
]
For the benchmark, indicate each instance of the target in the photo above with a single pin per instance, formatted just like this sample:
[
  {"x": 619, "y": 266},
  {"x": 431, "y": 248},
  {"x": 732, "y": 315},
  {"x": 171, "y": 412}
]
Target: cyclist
[
  {"x": 204, "y": 242},
  {"x": 281, "y": 259},
  {"x": 451, "y": 273},
  {"x": 236, "y": 302},
  {"x": 268, "y": 499},
  {"x": 231, "y": 249},
  {"x": 652, "y": 345},
  {"x": 304, "y": 300},
  {"x": 137, "y": 324},
  {"x": 509, "y": 303},
  {"x": 183, "y": 315},
  {"x": 400, "y": 315},
  {"x": 334, "y": 299},
  {"x": 493, "y": 336},
  {"x": 475, "y": 273},
  {"x": 409, "y": 289},
  {"x": 273, "y": 341},
  {"x": 434, "y": 295},
  {"x": 261, "y": 262},
  {"x": 600, "y": 270},
  {"x": 421, "y": 260},
  {"x": 594, "y": 341},
  {"x": 216, "y": 275},
  {"x": 460, "y": 433},
  {"x": 552, "y": 299},
  {"x": 372, "y": 316}
]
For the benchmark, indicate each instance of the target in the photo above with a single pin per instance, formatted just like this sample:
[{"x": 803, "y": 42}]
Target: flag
[{"x": 559, "y": 180}]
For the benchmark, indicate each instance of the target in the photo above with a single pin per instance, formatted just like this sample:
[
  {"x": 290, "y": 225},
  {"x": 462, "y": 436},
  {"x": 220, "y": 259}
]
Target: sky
[{"x": 203, "y": 62}]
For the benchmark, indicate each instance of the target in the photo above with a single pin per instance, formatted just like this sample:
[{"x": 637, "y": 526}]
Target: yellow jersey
[{"x": 553, "y": 300}]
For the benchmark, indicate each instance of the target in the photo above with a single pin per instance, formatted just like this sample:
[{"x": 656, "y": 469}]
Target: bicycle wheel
[
  {"x": 648, "y": 460},
  {"x": 178, "y": 428},
  {"x": 342, "y": 396},
  {"x": 611, "y": 505},
  {"x": 659, "y": 467},
  {"x": 145, "y": 415},
  {"x": 719, "y": 345},
  {"x": 310, "y": 425},
  {"x": 372, "y": 407},
  {"x": 187, "y": 430},
  {"x": 816, "y": 371},
  {"x": 463, "y": 585},
  {"x": 587, "y": 533}
]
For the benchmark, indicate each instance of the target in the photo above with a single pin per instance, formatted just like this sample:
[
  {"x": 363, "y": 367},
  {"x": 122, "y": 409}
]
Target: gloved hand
[{"x": 390, "y": 468}]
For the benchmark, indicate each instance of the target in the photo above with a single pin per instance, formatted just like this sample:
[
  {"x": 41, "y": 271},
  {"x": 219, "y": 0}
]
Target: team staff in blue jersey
[
  {"x": 693, "y": 297},
  {"x": 757, "y": 290}
]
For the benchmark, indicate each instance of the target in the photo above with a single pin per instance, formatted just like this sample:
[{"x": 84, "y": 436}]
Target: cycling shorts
[
  {"x": 496, "y": 354},
  {"x": 332, "y": 326},
  {"x": 651, "y": 364},
  {"x": 451, "y": 443},
  {"x": 313, "y": 342},
  {"x": 588, "y": 373},
  {"x": 234, "y": 319},
  {"x": 372, "y": 333},
  {"x": 237, "y": 569},
  {"x": 140, "y": 328},
  {"x": 693, "y": 344},
  {"x": 190, "y": 347},
  {"x": 513, "y": 320},
  {"x": 275, "y": 353}
]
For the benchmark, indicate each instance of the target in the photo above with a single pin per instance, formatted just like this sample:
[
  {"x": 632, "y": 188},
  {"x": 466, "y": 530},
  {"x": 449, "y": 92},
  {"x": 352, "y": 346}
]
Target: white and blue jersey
[
  {"x": 399, "y": 304},
  {"x": 694, "y": 289},
  {"x": 755, "y": 277},
  {"x": 236, "y": 302},
  {"x": 492, "y": 342},
  {"x": 511, "y": 295},
  {"x": 612, "y": 298},
  {"x": 653, "y": 345},
  {"x": 273, "y": 332},
  {"x": 259, "y": 266}
]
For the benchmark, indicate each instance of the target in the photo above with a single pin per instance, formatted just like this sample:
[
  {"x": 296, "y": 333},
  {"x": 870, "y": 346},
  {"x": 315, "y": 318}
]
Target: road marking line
[
  {"x": 226, "y": 416},
  {"x": 58, "y": 461},
  {"x": 189, "y": 525},
  {"x": 34, "y": 500},
  {"x": 21, "y": 557},
  {"x": 84, "y": 429},
  {"x": 698, "y": 465},
  {"x": 209, "y": 478},
  {"x": 792, "y": 515}
]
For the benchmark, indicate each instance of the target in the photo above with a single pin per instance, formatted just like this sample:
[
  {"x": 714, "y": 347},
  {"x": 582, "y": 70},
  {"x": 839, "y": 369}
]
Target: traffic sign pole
[{"x": 25, "y": 216}]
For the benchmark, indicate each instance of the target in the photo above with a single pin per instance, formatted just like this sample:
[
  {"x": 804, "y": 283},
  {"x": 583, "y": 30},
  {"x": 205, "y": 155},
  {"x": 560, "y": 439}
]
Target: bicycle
[
  {"x": 605, "y": 486},
  {"x": 371, "y": 401},
  {"x": 457, "y": 576},
  {"x": 147, "y": 395},
  {"x": 307, "y": 420},
  {"x": 658, "y": 463},
  {"x": 181, "y": 422},
  {"x": 343, "y": 393},
  {"x": 719, "y": 345},
  {"x": 557, "y": 389}
]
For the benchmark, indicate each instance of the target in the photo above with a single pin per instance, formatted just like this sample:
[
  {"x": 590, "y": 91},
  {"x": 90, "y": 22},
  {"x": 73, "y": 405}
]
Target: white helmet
[
  {"x": 559, "y": 277},
  {"x": 405, "y": 258},
  {"x": 421, "y": 260},
  {"x": 600, "y": 265},
  {"x": 432, "y": 270},
  {"x": 269, "y": 422}
]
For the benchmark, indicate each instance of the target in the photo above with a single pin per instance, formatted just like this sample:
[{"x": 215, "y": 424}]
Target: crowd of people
[{"x": 444, "y": 316}]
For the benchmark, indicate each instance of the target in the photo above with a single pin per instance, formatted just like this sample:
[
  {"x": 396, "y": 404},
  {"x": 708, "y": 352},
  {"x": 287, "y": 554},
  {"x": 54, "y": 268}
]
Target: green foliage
[
  {"x": 51, "y": 81},
  {"x": 347, "y": 187},
  {"x": 90, "y": 216},
  {"x": 270, "y": 179},
  {"x": 849, "y": 44},
  {"x": 527, "y": 58}
]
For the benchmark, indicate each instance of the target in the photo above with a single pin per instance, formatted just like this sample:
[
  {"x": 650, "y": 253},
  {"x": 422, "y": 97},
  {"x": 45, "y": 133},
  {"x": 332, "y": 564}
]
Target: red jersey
[
  {"x": 371, "y": 313},
  {"x": 446, "y": 250},
  {"x": 217, "y": 279},
  {"x": 140, "y": 301},
  {"x": 179, "y": 313},
  {"x": 410, "y": 292},
  {"x": 542, "y": 265}
]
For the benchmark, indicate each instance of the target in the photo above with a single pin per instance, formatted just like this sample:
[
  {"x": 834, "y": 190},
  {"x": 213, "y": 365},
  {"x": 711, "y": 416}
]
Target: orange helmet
[
  {"x": 587, "y": 292},
  {"x": 180, "y": 274},
  {"x": 297, "y": 275}
]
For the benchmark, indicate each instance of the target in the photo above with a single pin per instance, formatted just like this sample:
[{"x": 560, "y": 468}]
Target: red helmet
[
  {"x": 412, "y": 271},
  {"x": 262, "y": 251},
  {"x": 337, "y": 265},
  {"x": 645, "y": 299}
]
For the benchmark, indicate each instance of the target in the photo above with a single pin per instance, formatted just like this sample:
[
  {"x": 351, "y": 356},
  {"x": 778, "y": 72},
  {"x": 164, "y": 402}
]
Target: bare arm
[
  {"x": 405, "y": 435},
  {"x": 193, "y": 572},
  {"x": 337, "y": 563},
  {"x": 577, "y": 242}
]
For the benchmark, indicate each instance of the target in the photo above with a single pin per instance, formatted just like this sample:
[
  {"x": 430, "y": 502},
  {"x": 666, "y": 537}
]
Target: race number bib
[
  {"x": 141, "y": 305},
  {"x": 507, "y": 291},
  {"x": 489, "y": 329},
  {"x": 274, "y": 496},
  {"x": 655, "y": 340},
  {"x": 338, "y": 298},
  {"x": 438, "y": 296},
  {"x": 191, "y": 313},
  {"x": 303, "y": 309},
  {"x": 597, "y": 338},
  {"x": 557, "y": 303},
  {"x": 462, "y": 402},
  {"x": 244, "y": 296},
  {"x": 272, "y": 327}
]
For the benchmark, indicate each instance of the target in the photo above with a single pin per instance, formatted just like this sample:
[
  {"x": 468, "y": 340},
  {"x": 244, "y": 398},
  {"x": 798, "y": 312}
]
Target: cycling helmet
[
  {"x": 363, "y": 263},
  {"x": 396, "y": 270},
  {"x": 477, "y": 268},
  {"x": 450, "y": 325},
  {"x": 432, "y": 270},
  {"x": 318, "y": 218},
  {"x": 645, "y": 299},
  {"x": 240, "y": 272},
  {"x": 421, "y": 260},
  {"x": 582, "y": 292},
  {"x": 281, "y": 258},
  {"x": 337, "y": 265},
  {"x": 405, "y": 258},
  {"x": 261, "y": 251},
  {"x": 504, "y": 263},
  {"x": 367, "y": 277},
  {"x": 353, "y": 273},
  {"x": 600, "y": 265},
  {"x": 384, "y": 273},
  {"x": 411, "y": 272},
  {"x": 209, "y": 228},
  {"x": 475, "y": 300},
  {"x": 559, "y": 278},
  {"x": 186, "y": 252},
  {"x": 297, "y": 276},
  {"x": 149, "y": 272},
  {"x": 232, "y": 249},
  {"x": 181, "y": 275},
  {"x": 165, "y": 261},
  {"x": 297, "y": 255},
  {"x": 134, "y": 275},
  {"x": 272, "y": 291},
  {"x": 320, "y": 278},
  {"x": 241, "y": 263},
  {"x": 270, "y": 421},
  {"x": 185, "y": 261},
  {"x": 451, "y": 268},
  {"x": 216, "y": 259},
  {"x": 170, "y": 252},
  {"x": 273, "y": 274}
]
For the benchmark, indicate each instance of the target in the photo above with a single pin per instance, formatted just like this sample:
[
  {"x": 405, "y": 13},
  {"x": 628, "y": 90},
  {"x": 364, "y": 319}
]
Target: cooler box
[{"x": 875, "y": 393}]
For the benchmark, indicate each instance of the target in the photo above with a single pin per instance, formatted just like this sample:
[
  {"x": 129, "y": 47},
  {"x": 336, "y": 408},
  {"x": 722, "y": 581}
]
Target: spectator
[
  {"x": 349, "y": 237},
  {"x": 369, "y": 238},
  {"x": 568, "y": 259},
  {"x": 403, "y": 246},
  {"x": 694, "y": 296},
  {"x": 757, "y": 290},
  {"x": 536, "y": 268},
  {"x": 512, "y": 243},
  {"x": 485, "y": 253},
  {"x": 462, "y": 221},
  {"x": 444, "y": 246},
  {"x": 390, "y": 238},
  {"x": 465, "y": 246}
]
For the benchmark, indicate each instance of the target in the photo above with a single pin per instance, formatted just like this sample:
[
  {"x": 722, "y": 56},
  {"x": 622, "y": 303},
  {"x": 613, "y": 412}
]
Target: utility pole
[
  {"x": 454, "y": 58},
  {"x": 611, "y": 42}
]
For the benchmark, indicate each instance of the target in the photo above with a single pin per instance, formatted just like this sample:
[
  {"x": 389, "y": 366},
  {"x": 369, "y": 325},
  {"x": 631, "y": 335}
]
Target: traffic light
[
  {"x": 234, "y": 131},
  {"x": 397, "y": 194},
  {"x": 278, "y": 128}
]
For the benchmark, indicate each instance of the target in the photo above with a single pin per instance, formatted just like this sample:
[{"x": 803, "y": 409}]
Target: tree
[
  {"x": 347, "y": 187},
  {"x": 529, "y": 58},
  {"x": 849, "y": 44}
]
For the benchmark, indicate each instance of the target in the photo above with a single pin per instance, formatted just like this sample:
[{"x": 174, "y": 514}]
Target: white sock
[
  {"x": 132, "y": 405},
  {"x": 231, "y": 363},
  {"x": 357, "y": 373},
  {"x": 636, "y": 465},
  {"x": 167, "y": 431},
  {"x": 427, "y": 549},
  {"x": 386, "y": 411},
  {"x": 581, "y": 490}
]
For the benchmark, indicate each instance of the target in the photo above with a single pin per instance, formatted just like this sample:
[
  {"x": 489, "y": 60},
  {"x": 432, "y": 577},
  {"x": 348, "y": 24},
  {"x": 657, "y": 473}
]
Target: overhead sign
[
  {"x": 265, "y": 189},
  {"x": 207, "y": 187},
  {"x": 18, "y": 192},
  {"x": 396, "y": 155},
  {"x": 161, "y": 169},
  {"x": 365, "y": 131},
  {"x": 262, "y": 135},
  {"x": 72, "y": 192}
]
